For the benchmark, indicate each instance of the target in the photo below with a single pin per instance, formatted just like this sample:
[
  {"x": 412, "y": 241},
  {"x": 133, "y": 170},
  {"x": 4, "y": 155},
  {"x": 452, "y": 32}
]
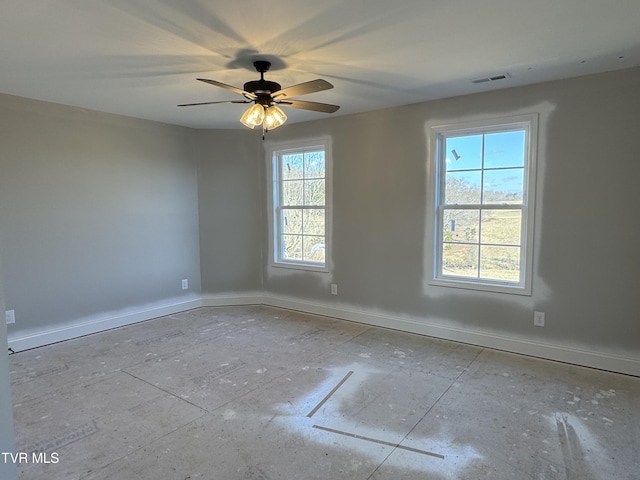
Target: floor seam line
[
  {"x": 165, "y": 391},
  {"x": 464, "y": 370}
]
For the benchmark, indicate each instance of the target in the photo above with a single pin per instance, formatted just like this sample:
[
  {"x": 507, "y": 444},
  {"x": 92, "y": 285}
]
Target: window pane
[
  {"x": 500, "y": 263},
  {"x": 291, "y": 166},
  {"x": 292, "y": 192},
  {"x": 463, "y": 153},
  {"x": 462, "y": 188},
  {"x": 503, "y": 186},
  {"x": 292, "y": 247},
  {"x": 314, "y": 249},
  {"x": 314, "y": 165},
  {"x": 300, "y": 206},
  {"x": 501, "y": 226},
  {"x": 505, "y": 149},
  {"x": 461, "y": 226},
  {"x": 481, "y": 185},
  {"x": 292, "y": 221},
  {"x": 314, "y": 192},
  {"x": 313, "y": 222},
  {"x": 460, "y": 260}
]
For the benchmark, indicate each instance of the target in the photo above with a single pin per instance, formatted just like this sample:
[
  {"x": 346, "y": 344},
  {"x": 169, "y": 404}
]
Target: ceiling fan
[{"x": 267, "y": 96}]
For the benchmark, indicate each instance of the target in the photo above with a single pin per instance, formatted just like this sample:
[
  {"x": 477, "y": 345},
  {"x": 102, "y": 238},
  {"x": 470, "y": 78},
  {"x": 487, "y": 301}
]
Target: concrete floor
[{"x": 262, "y": 393}]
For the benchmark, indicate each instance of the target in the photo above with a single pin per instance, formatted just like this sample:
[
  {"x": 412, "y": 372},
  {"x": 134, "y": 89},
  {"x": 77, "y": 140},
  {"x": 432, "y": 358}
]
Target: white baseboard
[
  {"x": 229, "y": 299},
  {"x": 609, "y": 361},
  {"x": 25, "y": 340},
  {"x": 568, "y": 354}
]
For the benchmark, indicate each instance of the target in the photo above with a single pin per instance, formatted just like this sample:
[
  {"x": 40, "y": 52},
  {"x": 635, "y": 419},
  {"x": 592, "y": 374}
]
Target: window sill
[
  {"x": 515, "y": 289},
  {"x": 301, "y": 266}
]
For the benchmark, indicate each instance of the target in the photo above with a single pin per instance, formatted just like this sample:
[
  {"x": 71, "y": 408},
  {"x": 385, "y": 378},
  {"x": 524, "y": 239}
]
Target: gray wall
[
  {"x": 230, "y": 198},
  {"x": 99, "y": 213},
  {"x": 587, "y": 231}
]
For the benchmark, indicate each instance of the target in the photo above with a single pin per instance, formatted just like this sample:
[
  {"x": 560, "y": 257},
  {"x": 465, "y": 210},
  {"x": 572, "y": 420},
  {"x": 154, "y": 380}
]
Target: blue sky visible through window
[{"x": 503, "y": 155}]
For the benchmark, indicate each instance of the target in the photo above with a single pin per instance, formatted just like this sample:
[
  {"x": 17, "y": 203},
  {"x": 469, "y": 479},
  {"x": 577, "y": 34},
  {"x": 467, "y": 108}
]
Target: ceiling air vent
[{"x": 492, "y": 78}]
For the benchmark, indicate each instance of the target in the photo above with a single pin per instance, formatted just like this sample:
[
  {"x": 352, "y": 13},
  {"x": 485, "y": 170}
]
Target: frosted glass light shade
[
  {"x": 273, "y": 118},
  {"x": 253, "y": 116}
]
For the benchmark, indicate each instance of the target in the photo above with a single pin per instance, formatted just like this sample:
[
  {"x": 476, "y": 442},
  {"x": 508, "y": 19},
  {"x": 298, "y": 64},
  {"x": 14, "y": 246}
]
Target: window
[
  {"x": 485, "y": 181},
  {"x": 301, "y": 193}
]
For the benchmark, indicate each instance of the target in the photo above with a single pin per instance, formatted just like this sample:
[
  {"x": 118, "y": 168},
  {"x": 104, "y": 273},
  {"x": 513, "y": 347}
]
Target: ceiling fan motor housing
[{"x": 262, "y": 88}]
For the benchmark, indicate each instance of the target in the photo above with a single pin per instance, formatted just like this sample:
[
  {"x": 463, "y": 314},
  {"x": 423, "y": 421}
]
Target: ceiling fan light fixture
[
  {"x": 253, "y": 116},
  {"x": 273, "y": 118}
]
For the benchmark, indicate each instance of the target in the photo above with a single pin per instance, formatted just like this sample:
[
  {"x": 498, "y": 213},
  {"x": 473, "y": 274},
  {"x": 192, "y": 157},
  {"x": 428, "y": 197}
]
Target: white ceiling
[{"x": 141, "y": 57}]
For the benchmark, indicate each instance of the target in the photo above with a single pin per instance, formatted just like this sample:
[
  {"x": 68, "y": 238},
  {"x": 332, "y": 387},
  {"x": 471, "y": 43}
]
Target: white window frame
[
  {"x": 437, "y": 170},
  {"x": 273, "y": 152}
]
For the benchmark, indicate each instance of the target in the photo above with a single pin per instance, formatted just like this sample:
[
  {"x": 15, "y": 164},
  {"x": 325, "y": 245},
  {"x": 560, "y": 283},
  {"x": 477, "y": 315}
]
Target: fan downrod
[{"x": 262, "y": 66}]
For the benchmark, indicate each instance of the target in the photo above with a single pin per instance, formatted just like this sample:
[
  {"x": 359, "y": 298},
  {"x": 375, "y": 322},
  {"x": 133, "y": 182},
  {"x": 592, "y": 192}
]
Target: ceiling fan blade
[
  {"x": 211, "y": 103},
  {"x": 228, "y": 87},
  {"x": 303, "y": 88},
  {"x": 304, "y": 105}
]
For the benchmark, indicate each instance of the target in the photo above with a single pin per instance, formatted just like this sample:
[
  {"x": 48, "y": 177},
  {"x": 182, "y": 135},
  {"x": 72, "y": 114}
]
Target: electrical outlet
[
  {"x": 334, "y": 289},
  {"x": 185, "y": 284},
  {"x": 538, "y": 319},
  {"x": 10, "y": 316}
]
